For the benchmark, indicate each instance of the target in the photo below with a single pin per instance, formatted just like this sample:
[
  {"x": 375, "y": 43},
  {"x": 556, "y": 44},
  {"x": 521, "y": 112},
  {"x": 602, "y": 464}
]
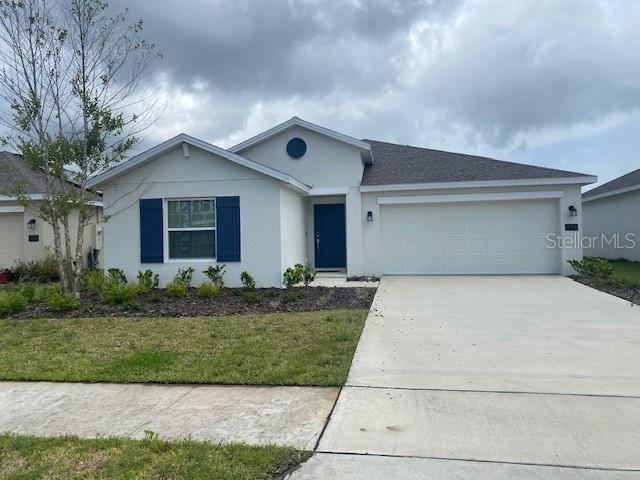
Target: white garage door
[
  {"x": 11, "y": 235},
  {"x": 469, "y": 238}
]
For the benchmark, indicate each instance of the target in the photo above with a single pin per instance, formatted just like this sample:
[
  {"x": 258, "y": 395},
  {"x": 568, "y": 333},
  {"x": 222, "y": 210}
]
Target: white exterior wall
[
  {"x": 327, "y": 162},
  {"x": 200, "y": 175},
  {"x": 293, "y": 219},
  {"x": 372, "y": 249},
  {"x": 618, "y": 214},
  {"x": 30, "y": 251}
]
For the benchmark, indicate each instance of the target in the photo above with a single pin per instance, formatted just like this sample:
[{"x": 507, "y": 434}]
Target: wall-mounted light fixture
[
  {"x": 31, "y": 224},
  {"x": 573, "y": 212},
  {"x": 369, "y": 216}
]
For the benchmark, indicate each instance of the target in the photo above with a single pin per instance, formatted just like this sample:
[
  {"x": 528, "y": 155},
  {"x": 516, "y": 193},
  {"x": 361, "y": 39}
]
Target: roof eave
[
  {"x": 586, "y": 198},
  {"x": 159, "y": 149},
  {"x": 577, "y": 180}
]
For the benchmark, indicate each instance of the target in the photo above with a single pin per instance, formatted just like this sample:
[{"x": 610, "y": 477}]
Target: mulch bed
[
  {"x": 625, "y": 291},
  {"x": 230, "y": 301}
]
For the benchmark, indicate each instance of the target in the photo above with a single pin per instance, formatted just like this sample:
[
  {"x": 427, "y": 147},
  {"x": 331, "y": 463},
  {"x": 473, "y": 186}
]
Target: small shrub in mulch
[{"x": 229, "y": 301}]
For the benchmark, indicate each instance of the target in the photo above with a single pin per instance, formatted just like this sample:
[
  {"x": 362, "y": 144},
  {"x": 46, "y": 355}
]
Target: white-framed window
[{"x": 191, "y": 228}]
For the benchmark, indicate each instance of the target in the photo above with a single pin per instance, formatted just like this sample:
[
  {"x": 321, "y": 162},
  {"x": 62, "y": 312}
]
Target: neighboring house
[
  {"x": 24, "y": 235},
  {"x": 301, "y": 193},
  {"x": 612, "y": 216}
]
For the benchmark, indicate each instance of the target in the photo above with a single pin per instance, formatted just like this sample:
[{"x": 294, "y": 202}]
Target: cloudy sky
[{"x": 549, "y": 82}]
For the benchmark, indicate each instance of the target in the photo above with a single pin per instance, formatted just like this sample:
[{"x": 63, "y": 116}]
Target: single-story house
[
  {"x": 612, "y": 218},
  {"x": 301, "y": 193},
  {"x": 24, "y": 236}
]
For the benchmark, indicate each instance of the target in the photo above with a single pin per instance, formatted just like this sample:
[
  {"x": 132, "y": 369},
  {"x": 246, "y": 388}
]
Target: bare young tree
[{"x": 71, "y": 76}]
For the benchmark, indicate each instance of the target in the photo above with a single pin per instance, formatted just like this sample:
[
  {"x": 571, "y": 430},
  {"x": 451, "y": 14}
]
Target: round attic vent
[{"x": 296, "y": 147}]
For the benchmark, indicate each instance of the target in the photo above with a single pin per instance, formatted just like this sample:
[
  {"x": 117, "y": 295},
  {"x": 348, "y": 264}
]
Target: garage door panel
[
  {"x": 456, "y": 265},
  {"x": 475, "y": 238},
  {"x": 455, "y": 245}
]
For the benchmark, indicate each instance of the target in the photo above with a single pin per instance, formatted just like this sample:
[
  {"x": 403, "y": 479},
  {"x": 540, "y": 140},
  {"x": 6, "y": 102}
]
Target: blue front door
[{"x": 329, "y": 236}]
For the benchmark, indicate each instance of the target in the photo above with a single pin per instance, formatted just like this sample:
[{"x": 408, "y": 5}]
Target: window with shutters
[{"x": 191, "y": 227}]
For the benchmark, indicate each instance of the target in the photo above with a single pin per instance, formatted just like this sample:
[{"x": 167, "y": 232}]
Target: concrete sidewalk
[
  {"x": 375, "y": 467},
  {"x": 290, "y": 416}
]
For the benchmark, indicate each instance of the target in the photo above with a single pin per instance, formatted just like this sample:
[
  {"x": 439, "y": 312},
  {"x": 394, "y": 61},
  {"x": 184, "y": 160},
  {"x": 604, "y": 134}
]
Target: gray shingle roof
[
  {"x": 398, "y": 164},
  {"x": 15, "y": 173},
  {"x": 631, "y": 179}
]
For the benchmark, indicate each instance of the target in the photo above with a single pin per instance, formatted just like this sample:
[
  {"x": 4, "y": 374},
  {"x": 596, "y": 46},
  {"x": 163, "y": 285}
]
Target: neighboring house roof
[
  {"x": 623, "y": 184},
  {"x": 298, "y": 122},
  {"x": 16, "y": 176},
  {"x": 14, "y": 172},
  {"x": 183, "y": 138},
  {"x": 404, "y": 164}
]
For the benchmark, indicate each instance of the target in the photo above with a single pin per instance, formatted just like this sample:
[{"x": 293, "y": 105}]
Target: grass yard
[
  {"x": 311, "y": 348},
  {"x": 27, "y": 457},
  {"x": 626, "y": 271}
]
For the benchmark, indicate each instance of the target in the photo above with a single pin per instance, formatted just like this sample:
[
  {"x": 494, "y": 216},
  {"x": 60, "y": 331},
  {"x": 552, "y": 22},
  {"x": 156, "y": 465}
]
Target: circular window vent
[{"x": 296, "y": 147}]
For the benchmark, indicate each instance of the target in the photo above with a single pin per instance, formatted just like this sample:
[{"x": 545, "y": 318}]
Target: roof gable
[
  {"x": 298, "y": 122},
  {"x": 404, "y": 164},
  {"x": 184, "y": 139},
  {"x": 625, "y": 183}
]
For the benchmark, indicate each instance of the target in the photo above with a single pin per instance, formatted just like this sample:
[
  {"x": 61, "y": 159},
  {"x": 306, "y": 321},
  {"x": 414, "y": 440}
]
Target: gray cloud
[{"x": 552, "y": 82}]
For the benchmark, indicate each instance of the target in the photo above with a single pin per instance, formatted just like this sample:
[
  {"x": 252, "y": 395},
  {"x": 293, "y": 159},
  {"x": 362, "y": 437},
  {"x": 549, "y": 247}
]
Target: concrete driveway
[{"x": 489, "y": 377}]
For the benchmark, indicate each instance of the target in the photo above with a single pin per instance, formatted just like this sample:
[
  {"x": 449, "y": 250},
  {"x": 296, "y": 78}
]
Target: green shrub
[
  {"x": 93, "y": 280},
  {"x": 216, "y": 274},
  {"x": 293, "y": 296},
  {"x": 147, "y": 281},
  {"x": 208, "y": 290},
  {"x": 62, "y": 302},
  {"x": 177, "y": 289},
  {"x": 11, "y": 303},
  {"x": 247, "y": 296},
  {"x": 247, "y": 280},
  {"x": 28, "y": 291},
  {"x": 596, "y": 267},
  {"x": 292, "y": 275},
  {"x": 46, "y": 291},
  {"x": 184, "y": 276},
  {"x": 118, "y": 293},
  {"x": 308, "y": 274},
  {"x": 116, "y": 276},
  {"x": 40, "y": 271}
]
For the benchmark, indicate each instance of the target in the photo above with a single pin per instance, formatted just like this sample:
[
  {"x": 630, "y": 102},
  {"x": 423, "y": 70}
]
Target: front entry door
[{"x": 329, "y": 236}]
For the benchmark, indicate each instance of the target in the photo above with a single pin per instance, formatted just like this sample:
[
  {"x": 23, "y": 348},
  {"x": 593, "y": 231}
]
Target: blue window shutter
[
  {"x": 151, "y": 231},
  {"x": 228, "y": 228}
]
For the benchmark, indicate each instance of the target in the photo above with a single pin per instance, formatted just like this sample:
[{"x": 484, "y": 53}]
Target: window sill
[{"x": 190, "y": 260}]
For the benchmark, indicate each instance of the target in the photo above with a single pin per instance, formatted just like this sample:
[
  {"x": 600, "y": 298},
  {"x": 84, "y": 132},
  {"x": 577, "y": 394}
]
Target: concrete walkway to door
[{"x": 489, "y": 377}]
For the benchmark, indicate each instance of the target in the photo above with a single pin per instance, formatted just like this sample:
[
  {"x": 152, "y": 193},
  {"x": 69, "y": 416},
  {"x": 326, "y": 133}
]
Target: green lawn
[
  {"x": 27, "y": 457},
  {"x": 312, "y": 348},
  {"x": 626, "y": 271}
]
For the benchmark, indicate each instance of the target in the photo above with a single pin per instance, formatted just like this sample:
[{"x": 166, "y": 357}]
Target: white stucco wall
[
  {"x": 293, "y": 219},
  {"x": 372, "y": 249},
  {"x": 200, "y": 175},
  {"x": 30, "y": 251},
  {"x": 327, "y": 162},
  {"x": 619, "y": 214}
]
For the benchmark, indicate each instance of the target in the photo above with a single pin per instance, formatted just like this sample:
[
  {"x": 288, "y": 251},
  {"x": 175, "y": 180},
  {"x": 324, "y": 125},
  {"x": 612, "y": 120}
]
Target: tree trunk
[
  {"x": 68, "y": 257},
  {"x": 57, "y": 246},
  {"x": 79, "y": 260}
]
